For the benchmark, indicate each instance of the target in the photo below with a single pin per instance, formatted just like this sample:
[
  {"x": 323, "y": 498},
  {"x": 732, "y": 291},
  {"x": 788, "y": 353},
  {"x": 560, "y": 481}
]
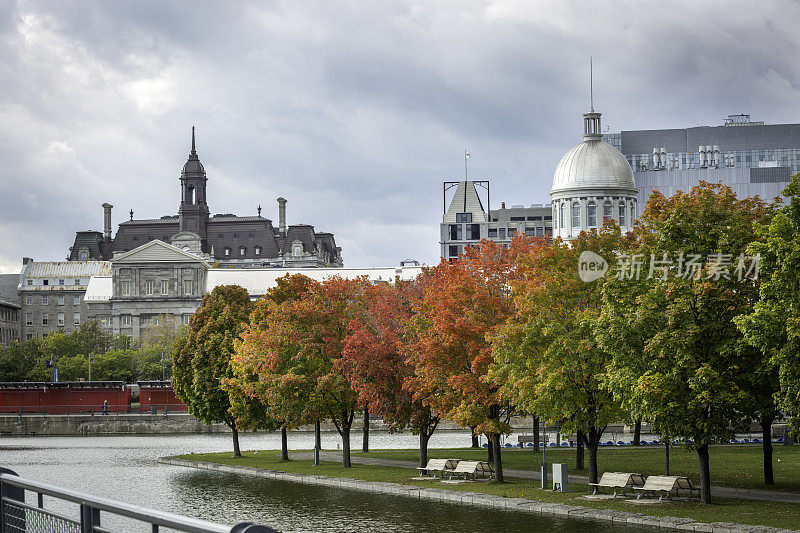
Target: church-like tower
[{"x": 193, "y": 210}]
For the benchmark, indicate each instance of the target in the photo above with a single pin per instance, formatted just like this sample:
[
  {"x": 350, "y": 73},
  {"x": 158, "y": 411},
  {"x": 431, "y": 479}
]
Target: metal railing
[{"x": 18, "y": 516}]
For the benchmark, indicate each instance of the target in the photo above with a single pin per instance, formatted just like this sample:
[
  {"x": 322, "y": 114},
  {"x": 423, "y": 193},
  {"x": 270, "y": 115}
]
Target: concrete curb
[{"x": 484, "y": 500}]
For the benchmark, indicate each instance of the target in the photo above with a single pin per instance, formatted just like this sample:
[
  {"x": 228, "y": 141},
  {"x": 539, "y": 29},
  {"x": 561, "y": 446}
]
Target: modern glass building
[{"x": 752, "y": 158}]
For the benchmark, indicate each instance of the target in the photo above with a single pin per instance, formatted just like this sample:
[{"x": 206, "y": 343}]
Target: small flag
[{"x": 467, "y": 155}]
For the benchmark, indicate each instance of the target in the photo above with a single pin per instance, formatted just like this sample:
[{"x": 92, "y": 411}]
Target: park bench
[
  {"x": 666, "y": 486},
  {"x": 617, "y": 480},
  {"x": 471, "y": 469},
  {"x": 437, "y": 466}
]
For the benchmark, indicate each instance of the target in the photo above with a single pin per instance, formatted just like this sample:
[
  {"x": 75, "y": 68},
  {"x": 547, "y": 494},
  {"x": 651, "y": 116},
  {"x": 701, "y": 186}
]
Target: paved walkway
[{"x": 720, "y": 492}]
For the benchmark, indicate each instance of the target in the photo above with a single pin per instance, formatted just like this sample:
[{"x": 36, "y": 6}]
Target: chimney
[
  {"x": 663, "y": 158},
  {"x": 107, "y": 221},
  {"x": 282, "y": 215},
  {"x": 716, "y": 156},
  {"x": 502, "y": 205},
  {"x": 656, "y": 155}
]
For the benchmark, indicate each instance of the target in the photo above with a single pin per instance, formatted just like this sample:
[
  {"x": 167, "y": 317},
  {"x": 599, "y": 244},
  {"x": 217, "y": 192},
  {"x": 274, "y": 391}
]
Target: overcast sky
[{"x": 353, "y": 111}]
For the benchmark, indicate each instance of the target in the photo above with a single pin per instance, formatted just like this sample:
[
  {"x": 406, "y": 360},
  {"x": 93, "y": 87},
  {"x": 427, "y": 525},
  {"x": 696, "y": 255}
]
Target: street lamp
[
  {"x": 163, "y": 372},
  {"x": 53, "y": 364}
]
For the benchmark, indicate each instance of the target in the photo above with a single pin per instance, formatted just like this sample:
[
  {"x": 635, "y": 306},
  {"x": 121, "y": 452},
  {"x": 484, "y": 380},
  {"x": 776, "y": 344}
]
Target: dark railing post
[
  {"x": 90, "y": 518},
  {"x": 10, "y": 513}
]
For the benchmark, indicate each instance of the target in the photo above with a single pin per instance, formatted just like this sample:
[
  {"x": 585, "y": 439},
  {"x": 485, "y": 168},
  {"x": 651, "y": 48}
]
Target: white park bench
[
  {"x": 617, "y": 480},
  {"x": 667, "y": 486},
  {"x": 471, "y": 469},
  {"x": 437, "y": 466}
]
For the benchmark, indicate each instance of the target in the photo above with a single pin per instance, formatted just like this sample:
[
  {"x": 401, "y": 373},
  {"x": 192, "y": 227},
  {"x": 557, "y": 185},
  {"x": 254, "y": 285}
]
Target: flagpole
[{"x": 466, "y": 156}]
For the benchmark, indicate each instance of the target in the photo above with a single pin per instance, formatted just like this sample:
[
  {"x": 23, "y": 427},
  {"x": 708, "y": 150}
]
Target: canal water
[{"x": 126, "y": 469}]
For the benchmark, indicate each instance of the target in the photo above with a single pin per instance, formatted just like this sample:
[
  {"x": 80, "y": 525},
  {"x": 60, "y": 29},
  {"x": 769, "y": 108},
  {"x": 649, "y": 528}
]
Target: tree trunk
[
  {"x": 346, "y": 445},
  {"x": 637, "y": 432},
  {"x": 284, "y": 444},
  {"x": 766, "y": 445},
  {"x": 705, "y": 474},
  {"x": 666, "y": 449},
  {"x": 489, "y": 449},
  {"x": 498, "y": 463},
  {"x": 317, "y": 436},
  {"x": 423, "y": 447},
  {"x": 535, "y": 433},
  {"x": 475, "y": 443},
  {"x": 591, "y": 447},
  {"x": 579, "y": 464},
  {"x": 235, "y": 432},
  {"x": 365, "y": 441}
]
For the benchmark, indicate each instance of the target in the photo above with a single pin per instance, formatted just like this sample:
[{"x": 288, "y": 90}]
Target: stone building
[
  {"x": 591, "y": 183},
  {"x": 154, "y": 282},
  {"x": 51, "y": 294},
  {"x": 235, "y": 241},
  {"x": 161, "y": 282},
  {"x": 9, "y": 309},
  {"x": 466, "y": 221}
]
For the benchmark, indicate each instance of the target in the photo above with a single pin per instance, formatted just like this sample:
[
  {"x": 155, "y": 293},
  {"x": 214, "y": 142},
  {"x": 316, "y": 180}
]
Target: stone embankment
[
  {"x": 99, "y": 424},
  {"x": 484, "y": 500}
]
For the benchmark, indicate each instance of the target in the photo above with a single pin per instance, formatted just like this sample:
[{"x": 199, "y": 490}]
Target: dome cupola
[{"x": 592, "y": 182}]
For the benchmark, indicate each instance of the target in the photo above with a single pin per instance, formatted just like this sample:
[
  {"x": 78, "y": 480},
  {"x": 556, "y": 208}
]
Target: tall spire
[
  {"x": 193, "y": 151},
  {"x": 591, "y": 87}
]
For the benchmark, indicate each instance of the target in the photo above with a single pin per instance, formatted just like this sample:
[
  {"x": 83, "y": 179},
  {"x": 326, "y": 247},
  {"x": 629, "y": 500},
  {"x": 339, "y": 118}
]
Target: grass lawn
[
  {"x": 786, "y": 515},
  {"x": 731, "y": 466}
]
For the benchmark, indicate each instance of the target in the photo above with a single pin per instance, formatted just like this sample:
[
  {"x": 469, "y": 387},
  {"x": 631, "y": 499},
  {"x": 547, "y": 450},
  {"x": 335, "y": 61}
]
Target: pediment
[{"x": 157, "y": 252}]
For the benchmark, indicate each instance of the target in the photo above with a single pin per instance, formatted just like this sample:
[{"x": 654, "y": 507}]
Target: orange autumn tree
[
  {"x": 293, "y": 356},
  {"x": 378, "y": 371},
  {"x": 247, "y": 389},
  {"x": 461, "y": 304}
]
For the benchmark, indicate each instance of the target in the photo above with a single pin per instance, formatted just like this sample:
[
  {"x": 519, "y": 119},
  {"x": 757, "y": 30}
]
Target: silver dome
[{"x": 593, "y": 164}]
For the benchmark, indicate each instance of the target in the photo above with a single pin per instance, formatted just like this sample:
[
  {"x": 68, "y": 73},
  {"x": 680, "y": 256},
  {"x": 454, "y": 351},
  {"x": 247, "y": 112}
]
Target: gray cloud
[{"x": 354, "y": 111}]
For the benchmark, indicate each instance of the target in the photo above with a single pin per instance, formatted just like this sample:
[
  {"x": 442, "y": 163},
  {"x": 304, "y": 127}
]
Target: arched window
[
  {"x": 622, "y": 213},
  {"x": 563, "y": 223},
  {"x": 555, "y": 215},
  {"x": 190, "y": 195},
  {"x": 576, "y": 215},
  {"x": 591, "y": 212},
  {"x": 606, "y": 210},
  {"x": 633, "y": 212}
]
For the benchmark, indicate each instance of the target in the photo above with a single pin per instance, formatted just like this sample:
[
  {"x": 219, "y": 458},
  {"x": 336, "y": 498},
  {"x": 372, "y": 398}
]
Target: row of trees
[
  {"x": 91, "y": 353},
  {"x": 697, "y": 352}
]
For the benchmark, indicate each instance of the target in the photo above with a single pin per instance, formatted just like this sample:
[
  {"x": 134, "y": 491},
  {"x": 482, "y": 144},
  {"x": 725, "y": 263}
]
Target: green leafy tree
[
  {"x": 774, "y": 323},
  {"x": 547, "y": 356},
  {"x": 690, "y": 378},
  {"x": 24, "y": 361},
  {"x": 205, "y": 356},
  {"x": 153, "y": 351}
]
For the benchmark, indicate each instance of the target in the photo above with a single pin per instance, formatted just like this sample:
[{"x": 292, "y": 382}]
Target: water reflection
[{"x": 125, "y": 468}]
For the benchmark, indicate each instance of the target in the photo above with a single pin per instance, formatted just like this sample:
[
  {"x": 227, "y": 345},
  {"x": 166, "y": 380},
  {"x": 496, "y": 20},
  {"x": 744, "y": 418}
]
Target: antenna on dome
[
  {"x": 591, "y": 86},
  {"x": 193, "y": 151}
]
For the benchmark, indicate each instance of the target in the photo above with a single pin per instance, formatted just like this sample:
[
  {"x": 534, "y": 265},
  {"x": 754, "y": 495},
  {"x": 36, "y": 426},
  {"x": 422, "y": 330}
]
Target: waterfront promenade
[{"x": 617, "y": 518}]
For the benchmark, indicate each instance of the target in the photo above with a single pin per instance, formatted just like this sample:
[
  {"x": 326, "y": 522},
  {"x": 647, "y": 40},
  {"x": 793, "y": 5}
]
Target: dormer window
[
  {"x": 242, "y": 250},
  {"x": 297, "y": 249},
  {"x": 227, "y": 252},
  {"x": 258, "y": 250}
]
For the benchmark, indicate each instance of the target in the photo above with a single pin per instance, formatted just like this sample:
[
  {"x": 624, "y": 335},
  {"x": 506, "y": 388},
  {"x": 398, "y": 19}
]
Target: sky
[{"x": 355, "y": 112}]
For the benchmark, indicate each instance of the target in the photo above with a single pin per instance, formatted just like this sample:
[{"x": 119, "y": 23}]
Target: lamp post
[
  {"x": 163, "y": 371},
  {"x": 90, "y": 367},
  {"x": 54, "y": 365}
]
